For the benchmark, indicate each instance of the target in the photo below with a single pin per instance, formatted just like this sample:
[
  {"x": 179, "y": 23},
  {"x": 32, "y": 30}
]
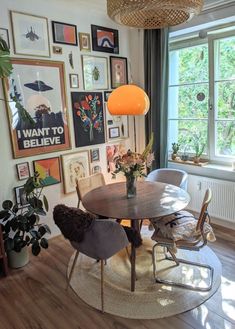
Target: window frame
[{"x": 211, "y": 119}]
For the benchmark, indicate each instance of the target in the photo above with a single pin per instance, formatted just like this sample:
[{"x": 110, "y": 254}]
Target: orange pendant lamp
[{"x": 128, "y": 100}]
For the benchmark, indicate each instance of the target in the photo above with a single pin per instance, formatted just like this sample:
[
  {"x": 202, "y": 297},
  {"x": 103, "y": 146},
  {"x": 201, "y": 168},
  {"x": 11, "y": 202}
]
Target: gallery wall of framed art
[{"x": 52, "y": 58}]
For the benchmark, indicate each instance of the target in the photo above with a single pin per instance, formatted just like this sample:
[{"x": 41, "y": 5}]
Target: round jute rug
[{"x": 150, "y": 300}]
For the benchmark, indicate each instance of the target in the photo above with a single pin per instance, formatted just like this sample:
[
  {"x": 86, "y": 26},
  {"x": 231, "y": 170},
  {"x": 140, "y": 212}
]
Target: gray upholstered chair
[
  {"x": 169, "y": 176},
  {"x": 183, "y": 231},
  {"x": 96, "y": 238}
]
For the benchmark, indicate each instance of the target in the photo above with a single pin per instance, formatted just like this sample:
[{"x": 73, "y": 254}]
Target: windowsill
[{"x": 209, "y": 170}]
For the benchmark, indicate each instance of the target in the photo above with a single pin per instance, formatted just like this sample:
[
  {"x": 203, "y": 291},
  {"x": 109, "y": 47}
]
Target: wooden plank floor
[{"x": 34, "y": 297}]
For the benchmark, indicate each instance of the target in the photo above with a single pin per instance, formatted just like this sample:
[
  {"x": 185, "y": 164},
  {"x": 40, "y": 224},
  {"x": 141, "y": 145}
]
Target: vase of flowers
[{"x": 133, "y": 165}]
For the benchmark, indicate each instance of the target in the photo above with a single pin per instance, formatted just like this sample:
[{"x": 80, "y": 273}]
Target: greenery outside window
[{"x": 202, "y": 96}]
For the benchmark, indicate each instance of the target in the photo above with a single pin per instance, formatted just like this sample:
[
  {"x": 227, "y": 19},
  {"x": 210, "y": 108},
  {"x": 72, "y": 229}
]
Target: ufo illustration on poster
[{"x": 38, "y": 85}]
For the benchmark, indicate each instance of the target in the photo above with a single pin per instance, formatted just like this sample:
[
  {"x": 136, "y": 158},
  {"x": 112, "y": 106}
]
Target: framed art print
[
  {"x": 84, "y": 41},
  {"x": 106, "y": 95},
  {"x": 96, "y": 169},
  {"x": 64, "y": 33},
  {"x": 114, "y": 132},
  {"x": 95, "y": 72},
  {"x": 23, "y": 170},
  {"x": 20, "y": 196},
  {"x": 5, "y": 36},
  {"x": 48, "y": 170},
  {"x": 30, "y": 34},
  {"x": 42, "y": 124},
  {"x": 118, "y": 71},
  {"x": 95, "y": 155},
  {"x": 73, "y": 79},
  {"x": 113, "y": 152},
  {"x": 104, "y": 39},
  {"x": 88, "y": 118},
  {"x": 75, "y": 166}
]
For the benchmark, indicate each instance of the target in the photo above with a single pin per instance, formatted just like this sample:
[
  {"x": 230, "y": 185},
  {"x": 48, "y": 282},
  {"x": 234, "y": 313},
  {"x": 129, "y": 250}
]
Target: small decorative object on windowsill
[
  {"x": 133, "y": 165},
  {"x": 175, "y": 149}
]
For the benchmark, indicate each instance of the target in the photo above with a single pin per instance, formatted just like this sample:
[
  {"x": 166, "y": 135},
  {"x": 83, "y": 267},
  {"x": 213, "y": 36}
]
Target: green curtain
[{"x": 156, "y": 60}]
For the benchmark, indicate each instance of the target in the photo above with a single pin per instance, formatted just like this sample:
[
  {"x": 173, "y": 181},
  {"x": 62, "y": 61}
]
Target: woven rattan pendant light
[{"x": 152, "y": 14}]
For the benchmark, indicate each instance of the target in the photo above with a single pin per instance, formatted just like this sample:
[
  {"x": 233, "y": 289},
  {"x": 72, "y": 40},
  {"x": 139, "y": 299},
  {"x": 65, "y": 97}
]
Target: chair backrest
[
  {"x": 203, "y": 214},
  {"x": 169, "y": 176},
  {"x": 85, "y": 185}
]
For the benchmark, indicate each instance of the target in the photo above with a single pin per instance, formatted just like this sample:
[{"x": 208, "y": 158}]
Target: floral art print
[{"x": 88, "y": 118}]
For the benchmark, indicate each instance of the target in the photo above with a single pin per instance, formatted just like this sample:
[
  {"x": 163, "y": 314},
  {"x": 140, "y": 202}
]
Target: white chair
[
  {"x": 183, "y": 231},
  {"x": 169, "y": 176}
]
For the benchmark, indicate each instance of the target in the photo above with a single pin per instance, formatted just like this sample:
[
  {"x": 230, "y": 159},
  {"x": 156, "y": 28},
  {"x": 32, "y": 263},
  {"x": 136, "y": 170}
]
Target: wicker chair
[{"x": 183, "y": 231}]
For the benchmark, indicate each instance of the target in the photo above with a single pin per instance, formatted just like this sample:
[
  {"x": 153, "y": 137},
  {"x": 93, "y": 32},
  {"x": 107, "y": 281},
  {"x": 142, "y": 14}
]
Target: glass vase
[{"x": 130, "y": 186}]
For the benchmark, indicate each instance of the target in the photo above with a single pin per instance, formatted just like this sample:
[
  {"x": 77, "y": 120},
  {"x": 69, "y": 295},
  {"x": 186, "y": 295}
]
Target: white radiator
[{"x": 223, "y": 196}]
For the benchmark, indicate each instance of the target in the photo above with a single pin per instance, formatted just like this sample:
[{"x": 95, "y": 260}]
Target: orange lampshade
[{"x": 128, "y": 100}]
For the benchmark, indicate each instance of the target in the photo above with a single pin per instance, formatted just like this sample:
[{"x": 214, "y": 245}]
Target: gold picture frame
[{"x": 84, "y": 41}]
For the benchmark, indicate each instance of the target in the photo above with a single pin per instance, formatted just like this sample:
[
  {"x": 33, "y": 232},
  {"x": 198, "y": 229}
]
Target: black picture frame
[
  {"x": 105, "y": 44},
  {"x": 118, "y": 63},
  {"x": 106, "y": 95},
  {"x": 5, "y": 36},
  {"x": 23, "y": 171},
  {"x": 114, "y": 132},
  {"x": 58, "y": 38},
  {"x": 20, "y": 196},
  {"x": 95, "y": 155},
  {"x": 89, "y": 126}
]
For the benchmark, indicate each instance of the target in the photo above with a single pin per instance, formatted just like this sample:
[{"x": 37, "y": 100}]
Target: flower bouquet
[{"x": 133, "y": 165}]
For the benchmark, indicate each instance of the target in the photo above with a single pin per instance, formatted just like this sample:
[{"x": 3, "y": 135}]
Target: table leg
[{"x": 135, "y": 226}]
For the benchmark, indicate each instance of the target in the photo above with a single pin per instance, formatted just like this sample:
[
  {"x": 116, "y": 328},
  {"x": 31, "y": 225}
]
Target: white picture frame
[
  {"x": 95, "y": 72},
  {"x": 75, "y": 166},
  {"x": 30, "y": 34}
]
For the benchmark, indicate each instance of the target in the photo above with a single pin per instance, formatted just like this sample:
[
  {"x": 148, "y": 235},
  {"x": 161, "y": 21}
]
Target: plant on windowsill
[
  {"x": 198, "y": 147},
  {"x": 175, "y": 149},
  {"x": 21, "y": 227}
]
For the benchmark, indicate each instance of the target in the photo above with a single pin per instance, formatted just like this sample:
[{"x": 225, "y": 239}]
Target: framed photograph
[
  {"x": 49, "y": 170},
  {"x": 95, "y": 72},
  {"x": 106, "y": 95},
  {"x": 113, "y": 152},
  {"x": 84, "y": 41},
  {"x": 40, "y": 88},
  {"x": 75, "y": 166},
  {"x": 23, "y": 170},
  {"x": 5, "y": 36},
  {"x": 95, "y": 155},
  {"x": 30, "y": 34},
  {"x": 73, "y": 79},
  {"x": 116, "y": 121},
  {"x": 20, "y": 196},
  {"x": 57, "y": 50},
  {"x": 114, "y": 132},
  {"x": 96, "y": 169},
  {"x": 88, "y": 118},
  {"x": 64, "y": 33},
  {"x": 118, "y": 71},
  {"x": 104, "y": 39}
]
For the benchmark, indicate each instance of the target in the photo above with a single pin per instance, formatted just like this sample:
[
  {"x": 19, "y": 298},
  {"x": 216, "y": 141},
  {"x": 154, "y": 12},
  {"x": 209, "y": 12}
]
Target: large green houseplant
[{"x": 21, "y": 225}]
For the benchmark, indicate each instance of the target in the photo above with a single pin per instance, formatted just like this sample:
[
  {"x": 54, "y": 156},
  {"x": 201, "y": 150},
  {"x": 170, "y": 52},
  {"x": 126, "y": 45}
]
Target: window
[{"x": 202, "y": 96}]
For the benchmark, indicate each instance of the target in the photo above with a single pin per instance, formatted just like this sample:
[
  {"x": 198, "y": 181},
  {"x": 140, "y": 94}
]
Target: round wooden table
[{"x": 153, "y": 199}]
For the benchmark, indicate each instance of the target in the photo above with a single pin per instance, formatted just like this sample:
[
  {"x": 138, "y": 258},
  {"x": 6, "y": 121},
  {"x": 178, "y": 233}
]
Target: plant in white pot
[{"x": 21, "y": 225}]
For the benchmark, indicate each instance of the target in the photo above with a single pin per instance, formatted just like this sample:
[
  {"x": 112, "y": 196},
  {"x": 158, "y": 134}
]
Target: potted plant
[
  {"x": 199, "y": 149},
  {"x": 175, "y": 149},
  {"x": 21, "y": 227}
]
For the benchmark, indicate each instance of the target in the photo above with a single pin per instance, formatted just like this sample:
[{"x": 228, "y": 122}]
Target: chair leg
[
  {"x": 102, "y": 284},
  {"x": 72, "y": 269},
  {"x": 178, "y": 261}
]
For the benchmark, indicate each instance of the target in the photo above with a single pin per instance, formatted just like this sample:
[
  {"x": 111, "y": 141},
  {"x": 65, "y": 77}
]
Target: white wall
[{"x": 83, "y": 14}]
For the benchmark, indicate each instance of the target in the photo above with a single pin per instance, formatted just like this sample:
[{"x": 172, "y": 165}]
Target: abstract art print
[
  {"x": 75, "y": 166},
  {"x": 48, "y": 170},
  {"x": 95, "y": 72},
  {"x": 104, "y": 39},
  {"x": 30, "y": 34},
  {"x": 118, "y": 71},
  {"x": 88, "y": 118},
  {"x": 64, "y": 33},
  {"x": 113, "y": 152},
  {"x": 38, "y": 121}
]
